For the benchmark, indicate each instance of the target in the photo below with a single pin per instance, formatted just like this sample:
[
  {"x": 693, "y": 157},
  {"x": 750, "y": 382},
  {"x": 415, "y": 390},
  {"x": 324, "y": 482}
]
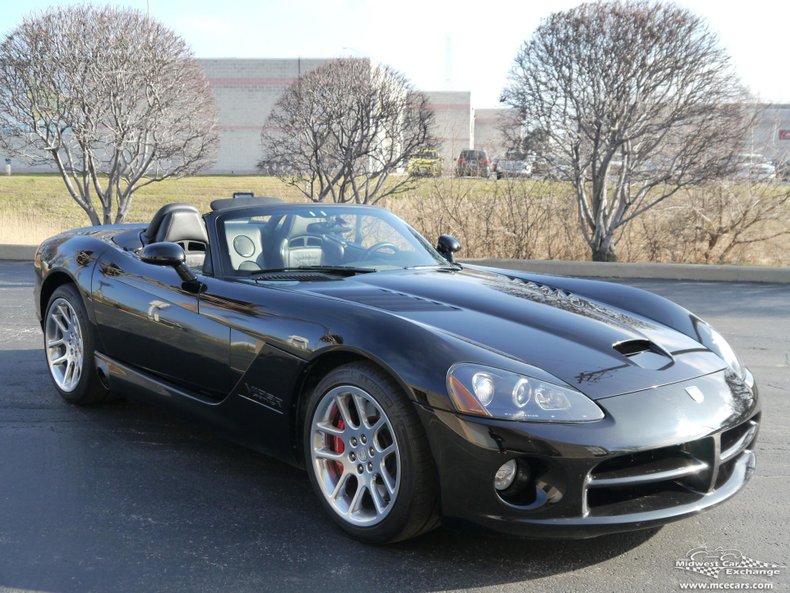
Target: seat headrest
[
  {"x": 182, "y": 225},
  {"x": 150, "y": 233}
]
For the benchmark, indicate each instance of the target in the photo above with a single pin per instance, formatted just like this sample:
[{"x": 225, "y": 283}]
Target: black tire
[
  {"x": 89, "y": 388},
  {"x": 414, "y": 509}
]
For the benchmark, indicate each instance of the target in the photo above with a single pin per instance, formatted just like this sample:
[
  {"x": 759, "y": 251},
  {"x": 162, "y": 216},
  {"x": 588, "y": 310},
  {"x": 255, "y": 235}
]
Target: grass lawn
[
  {"x": 34, "y": 207},
  {"x": 490, "y": 218}
]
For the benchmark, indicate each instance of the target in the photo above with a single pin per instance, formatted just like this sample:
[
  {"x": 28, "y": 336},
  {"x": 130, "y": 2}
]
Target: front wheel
[
  {"x": 367, "y": 456},
  {"x": 69, "y": 347}
]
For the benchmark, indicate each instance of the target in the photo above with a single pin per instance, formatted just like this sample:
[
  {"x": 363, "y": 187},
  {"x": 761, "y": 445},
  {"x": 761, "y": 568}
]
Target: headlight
[
  {"x": 714, "y": 341},
  {"x": 485, "y": 391}
]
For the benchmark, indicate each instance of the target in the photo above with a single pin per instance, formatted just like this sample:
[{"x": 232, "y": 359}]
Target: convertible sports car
[{"x": 411, "y": 388}]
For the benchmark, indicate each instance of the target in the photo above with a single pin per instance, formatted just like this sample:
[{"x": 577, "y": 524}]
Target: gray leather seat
[
  {"x": 182, "y": 224},
  {"x": 302, "y": 242}
]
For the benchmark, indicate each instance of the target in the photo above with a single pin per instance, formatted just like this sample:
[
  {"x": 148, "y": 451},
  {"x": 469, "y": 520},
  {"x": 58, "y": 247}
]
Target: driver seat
[
  {"x": 182, "y": 224},
  {"x": 294, "y": 246}
]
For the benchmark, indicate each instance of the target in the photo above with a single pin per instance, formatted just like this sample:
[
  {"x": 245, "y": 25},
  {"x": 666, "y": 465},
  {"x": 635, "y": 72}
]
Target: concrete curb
[
  {"x": 17, "y": 252},
  {"x": 701, "y": 272},
  {"x": 697, "y": 272}
]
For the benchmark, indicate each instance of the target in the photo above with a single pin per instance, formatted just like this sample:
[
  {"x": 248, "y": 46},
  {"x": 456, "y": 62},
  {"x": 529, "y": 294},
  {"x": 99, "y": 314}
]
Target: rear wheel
[
  {"x": 69, "y": 348},
  {"x": 367, "y": 456}
]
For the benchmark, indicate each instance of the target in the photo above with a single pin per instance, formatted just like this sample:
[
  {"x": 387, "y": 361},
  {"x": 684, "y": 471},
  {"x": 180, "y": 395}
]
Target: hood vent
[
  {"x": 645, "y": 354},
  {"x": 390, "y": 300},
  {"x": 633, "y": 347},
  {"x": 568, "y": 301}
]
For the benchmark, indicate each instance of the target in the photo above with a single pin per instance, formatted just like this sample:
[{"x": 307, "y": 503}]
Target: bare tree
[
  {"x": 726, "y": 218},
  {"x": 637, "y": 100},
  {"x": 340, "y": 131},
  {"x": 510, "y": 127},
  {"x": 114, "y": 100}
]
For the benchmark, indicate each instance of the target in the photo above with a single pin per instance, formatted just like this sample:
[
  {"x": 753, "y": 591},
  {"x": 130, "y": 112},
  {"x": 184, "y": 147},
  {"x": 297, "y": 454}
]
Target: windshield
[
  {"x": 428, "y": 154},
  {"x": 516, "y": 156},
  {"x": 305, "y": 237}
]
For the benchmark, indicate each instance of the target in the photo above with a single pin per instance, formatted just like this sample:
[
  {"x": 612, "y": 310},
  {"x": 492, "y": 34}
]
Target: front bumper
[
  {"x": 425, "y": 169},
  {"x": 657, "y": 457}
]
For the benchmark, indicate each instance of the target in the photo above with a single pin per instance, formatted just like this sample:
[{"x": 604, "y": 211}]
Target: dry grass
[
  {"x": 34, "y": 207},
  {"x": 530, "y": 219},
  {"x": 520, "y": 218}
]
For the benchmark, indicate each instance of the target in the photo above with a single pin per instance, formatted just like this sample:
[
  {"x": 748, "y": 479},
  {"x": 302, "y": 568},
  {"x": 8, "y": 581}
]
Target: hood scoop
[{"x": 644, "y": 354}]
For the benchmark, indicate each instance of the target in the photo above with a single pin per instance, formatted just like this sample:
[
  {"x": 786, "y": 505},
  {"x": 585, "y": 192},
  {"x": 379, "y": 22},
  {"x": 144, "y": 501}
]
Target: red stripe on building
[
  {"x": 235, "y": 128},
  {"x": 450, "y": 106},
  {"x": 251, "y": 81},
  {"x": 257, "y": 128}
]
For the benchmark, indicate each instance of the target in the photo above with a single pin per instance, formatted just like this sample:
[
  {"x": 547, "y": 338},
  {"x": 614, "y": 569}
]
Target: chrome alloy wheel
[
  {"x": 64, "y": 345},
  {"x": 355, "y": 455}
]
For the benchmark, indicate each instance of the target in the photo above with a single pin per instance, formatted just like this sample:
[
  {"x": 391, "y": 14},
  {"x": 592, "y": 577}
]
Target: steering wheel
[{"x": 376, "y": 247}]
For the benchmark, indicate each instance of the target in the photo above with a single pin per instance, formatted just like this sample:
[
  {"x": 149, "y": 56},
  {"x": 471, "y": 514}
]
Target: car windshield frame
[{"x": 220, "y": 249}]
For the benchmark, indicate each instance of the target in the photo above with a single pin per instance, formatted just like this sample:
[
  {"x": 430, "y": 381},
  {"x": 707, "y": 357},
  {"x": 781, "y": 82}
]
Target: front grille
[{"x": 666, "y": 477}]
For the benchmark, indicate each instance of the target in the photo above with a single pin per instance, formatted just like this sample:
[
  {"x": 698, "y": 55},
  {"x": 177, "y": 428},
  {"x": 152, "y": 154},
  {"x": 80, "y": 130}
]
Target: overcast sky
[{"x": 438, "y": 44}]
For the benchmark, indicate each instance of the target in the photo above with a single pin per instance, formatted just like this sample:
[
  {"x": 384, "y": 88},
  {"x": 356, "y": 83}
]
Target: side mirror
[
  {"x": 447, "y": 245},
  {"x": 168, "y": 254}
]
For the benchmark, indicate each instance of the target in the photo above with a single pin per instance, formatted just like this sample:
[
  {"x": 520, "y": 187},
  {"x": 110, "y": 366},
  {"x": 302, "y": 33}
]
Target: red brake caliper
[{"x": 337, "y": 443}]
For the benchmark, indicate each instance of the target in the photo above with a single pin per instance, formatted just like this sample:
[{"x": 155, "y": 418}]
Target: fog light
[{"x": 505, "y": 475}]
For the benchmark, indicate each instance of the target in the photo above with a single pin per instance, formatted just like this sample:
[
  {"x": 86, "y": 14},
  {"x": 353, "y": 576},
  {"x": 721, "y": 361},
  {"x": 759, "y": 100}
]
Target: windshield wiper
[{"x": 339, "y": 270}]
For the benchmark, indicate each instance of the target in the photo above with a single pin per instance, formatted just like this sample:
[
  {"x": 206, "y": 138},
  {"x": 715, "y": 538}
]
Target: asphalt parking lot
[{"x": 128, "y": 497}]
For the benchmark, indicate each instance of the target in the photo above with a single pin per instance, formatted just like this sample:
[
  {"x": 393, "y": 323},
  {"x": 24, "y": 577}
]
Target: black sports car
[{"x": 410, "y": 387}]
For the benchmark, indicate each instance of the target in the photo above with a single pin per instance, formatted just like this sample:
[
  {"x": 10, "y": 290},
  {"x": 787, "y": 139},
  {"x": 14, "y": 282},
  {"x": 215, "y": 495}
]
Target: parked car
[
  {"x": 473, "y": 163},
  {"x": 410, "y": 387},
  {"x": 425, "y": 163},
  {"x": 513, "y": 164},
  {"x": 755, "y": 167},
  {"x": 782, "y": 170}
]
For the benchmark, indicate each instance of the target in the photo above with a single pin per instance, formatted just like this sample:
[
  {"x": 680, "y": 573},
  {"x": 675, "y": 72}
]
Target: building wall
[
  {"x": 488, "y": 124},
  {"x": 771, "y": 134},
  {"x": 245, "y": 91},
  {"x": 453, "y": 123}
]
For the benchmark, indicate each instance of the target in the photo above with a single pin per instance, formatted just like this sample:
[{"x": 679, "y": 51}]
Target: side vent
[{"x": 645, "y": 354}]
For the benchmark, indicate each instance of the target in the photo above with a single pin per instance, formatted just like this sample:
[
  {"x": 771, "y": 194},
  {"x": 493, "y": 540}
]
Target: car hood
[{"x": 599, "y": 349}]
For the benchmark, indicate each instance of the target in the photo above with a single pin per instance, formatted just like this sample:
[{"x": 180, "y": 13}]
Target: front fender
[{"x": 67, "y": 257}]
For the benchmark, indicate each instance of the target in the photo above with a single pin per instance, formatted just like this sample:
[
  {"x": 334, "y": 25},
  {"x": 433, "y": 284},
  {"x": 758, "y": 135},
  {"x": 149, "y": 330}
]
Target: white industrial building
[{"x": 245, "y": 91}]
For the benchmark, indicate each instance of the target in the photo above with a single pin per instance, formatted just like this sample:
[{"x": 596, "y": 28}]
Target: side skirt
[{"x": 238, "y": 418}]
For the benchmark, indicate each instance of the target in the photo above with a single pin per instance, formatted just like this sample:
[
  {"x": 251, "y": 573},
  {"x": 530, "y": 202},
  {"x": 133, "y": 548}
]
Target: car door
[{"x": 148, "y": 319}]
